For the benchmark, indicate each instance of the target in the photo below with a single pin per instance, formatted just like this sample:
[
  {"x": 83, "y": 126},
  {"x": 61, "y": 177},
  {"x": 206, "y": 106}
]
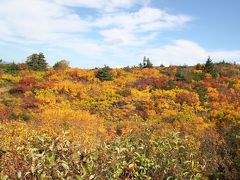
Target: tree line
[{"x": 38, "y": 62}]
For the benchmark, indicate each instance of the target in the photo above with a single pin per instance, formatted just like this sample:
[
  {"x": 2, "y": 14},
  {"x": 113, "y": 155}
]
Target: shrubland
[{"x": 176, "y": 122}]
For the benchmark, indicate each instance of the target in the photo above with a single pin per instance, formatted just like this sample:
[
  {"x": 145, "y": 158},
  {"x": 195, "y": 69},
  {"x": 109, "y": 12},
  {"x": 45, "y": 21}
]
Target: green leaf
[
  {"x": 65, "y": 165},
  {"x": 19, "y": 174}
]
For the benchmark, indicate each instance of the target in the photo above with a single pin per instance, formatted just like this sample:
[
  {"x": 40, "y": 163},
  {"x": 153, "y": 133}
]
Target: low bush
[{"x": 48, "y": 157}]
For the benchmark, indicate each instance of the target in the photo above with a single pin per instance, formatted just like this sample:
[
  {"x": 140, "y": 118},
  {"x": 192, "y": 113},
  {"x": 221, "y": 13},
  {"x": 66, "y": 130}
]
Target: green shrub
[
  {"x": 13, "y": 116},
  {"x": 25, "y": 117},
  {"x": 104, "y": 74},
  {"x": 63, "y": 64},
  {"x": 48, "y": 157},
  {"x": 13, "y": 90},
  {"x": 10, "y": 102},
  {"x": 12, "y": 68},
  {"x": 45, "y": 157}
]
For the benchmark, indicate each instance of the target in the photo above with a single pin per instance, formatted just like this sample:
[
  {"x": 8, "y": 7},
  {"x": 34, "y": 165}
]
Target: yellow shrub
[
  {"x": 12, "y": 78},
  {"x": 81, "y": 126}
]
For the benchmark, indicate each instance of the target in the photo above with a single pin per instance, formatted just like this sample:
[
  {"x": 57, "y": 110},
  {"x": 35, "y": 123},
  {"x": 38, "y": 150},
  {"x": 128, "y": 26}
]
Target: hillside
[{"x": 121, "y": 123}]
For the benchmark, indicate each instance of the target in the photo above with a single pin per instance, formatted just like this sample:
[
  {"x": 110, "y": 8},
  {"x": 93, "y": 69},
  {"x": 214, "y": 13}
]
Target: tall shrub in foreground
[{"x": 46, "y": 157}]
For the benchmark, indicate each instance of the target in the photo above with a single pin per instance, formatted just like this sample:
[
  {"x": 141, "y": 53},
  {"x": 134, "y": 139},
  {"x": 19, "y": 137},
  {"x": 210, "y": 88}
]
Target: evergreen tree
[
  {"x": 1, "y": 66},
  {"x": 209, "y": 68},
  {"x": 149, "y": 64},
  {"x": 179, "y": 74},
  {"x": 104, "y": 74},
  {"x": 146, "y": 63},
  {"x": 36, "y": 62},
  {"x": 12, "y": 68},
  {"x": 198, "y": 66}
]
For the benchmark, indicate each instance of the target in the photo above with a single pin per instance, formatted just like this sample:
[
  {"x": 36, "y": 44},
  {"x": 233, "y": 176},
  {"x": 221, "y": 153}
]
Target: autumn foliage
[{"x": 120, "y": 123}]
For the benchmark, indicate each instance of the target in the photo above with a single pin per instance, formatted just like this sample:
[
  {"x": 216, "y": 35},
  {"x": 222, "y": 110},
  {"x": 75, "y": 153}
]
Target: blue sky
[{"x": 91, "y": 33}]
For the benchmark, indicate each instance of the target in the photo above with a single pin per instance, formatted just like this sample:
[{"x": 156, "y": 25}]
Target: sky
[{"x": 92, "y": 33}]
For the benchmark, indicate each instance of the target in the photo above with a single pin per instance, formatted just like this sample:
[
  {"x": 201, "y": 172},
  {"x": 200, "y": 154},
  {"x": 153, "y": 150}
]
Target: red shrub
[
  {"x": 187, "y": 97},
  {"x": 30, "y": 102},
  {"x": 22, "y": 66},
  {"x": 141, "y": 84},
  {"x": 27, "y": 81},
  {"x": 44, "y": 85},
  {"x": 23, "y": 88},
  {"x": 4, "y": 112},
  {"x": 181, "y": 84}
]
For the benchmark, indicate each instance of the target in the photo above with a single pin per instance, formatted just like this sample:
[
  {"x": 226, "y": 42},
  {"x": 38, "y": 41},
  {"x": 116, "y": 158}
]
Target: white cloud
[
  {"x": 144, "y": 20},
  {"x": 103, "y": 5},
  {"x": 227, "y": 55},
  {"x": 126, "y": 28},
  {"x": 119, "y": 29},
  {"x": 37, "y": 21},
  {"x": 53, "y": 22},
  {"x": 187, "y": 52}
]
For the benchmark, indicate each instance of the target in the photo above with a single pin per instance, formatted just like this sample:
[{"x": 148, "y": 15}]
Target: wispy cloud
[
  {"x": 187, "y": 52},
  {"x": 109, "y": 29},
  {"x": 128, "y": 27},
  {"x": 42, "y": 21},
  {"x": 103, "y": 5}
]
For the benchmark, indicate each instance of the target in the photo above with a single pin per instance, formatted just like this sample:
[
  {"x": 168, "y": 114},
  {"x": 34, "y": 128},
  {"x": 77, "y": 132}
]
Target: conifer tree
[
  {"x": 36, "y": 62},
  {"x": 209, "y": 68},
  {"x": 149, "y": 64},
  {"x": 12, "y": 68},
  {"x": 104, "y": 74},
  {"x": 146, "y": 63}
]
